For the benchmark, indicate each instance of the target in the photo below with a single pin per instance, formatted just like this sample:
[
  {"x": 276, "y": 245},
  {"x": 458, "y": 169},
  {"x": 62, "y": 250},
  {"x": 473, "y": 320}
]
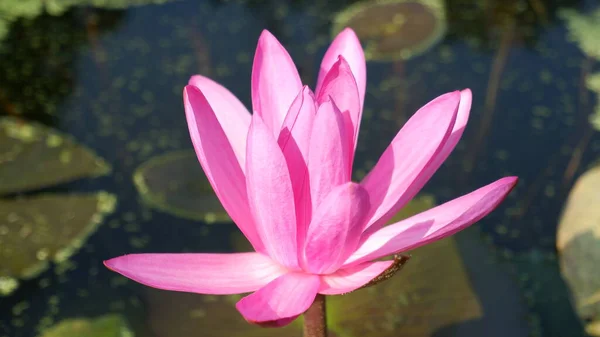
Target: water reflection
[{"x": 112, "y": 79}]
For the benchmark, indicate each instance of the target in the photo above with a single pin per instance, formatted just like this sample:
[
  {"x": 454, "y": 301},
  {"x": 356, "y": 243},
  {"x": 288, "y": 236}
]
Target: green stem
[{"x": 315, "y": 318}]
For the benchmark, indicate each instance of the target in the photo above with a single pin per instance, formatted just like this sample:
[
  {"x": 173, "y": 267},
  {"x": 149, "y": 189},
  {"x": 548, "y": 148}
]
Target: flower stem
[{"x": 315, "y": 324}]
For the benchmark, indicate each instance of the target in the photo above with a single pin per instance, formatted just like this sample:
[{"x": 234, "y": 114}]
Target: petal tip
[
  {"x": 113, "y": 264},
  {"x": 194, "y": 79},
  {"x": 267, "y": 38},
  {"x": 190, "y": 90},
  {"x": 510, "y": 180},
  {"x": 348, "y": 34}
]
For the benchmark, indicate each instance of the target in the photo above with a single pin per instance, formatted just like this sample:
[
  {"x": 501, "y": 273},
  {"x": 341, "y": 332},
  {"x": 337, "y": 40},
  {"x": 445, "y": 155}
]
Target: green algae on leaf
[
  {"x": 593, "y": 83},
  {"x": 175, "y": 183},
  {"x": 578, "y": 244},
  {"x": 39, "y": 229},
  {"x": 395, "y": 29},
  {"x": 173, "y": 314},
  {"x": 56, "y": 7},
  {"x": 584, "y": 30},
  {"x": 12, "y": 10},
  {"x": 33, "y": 156},
  {"x": 104, "y": 326},
  {"x": 414, "y": 302}
]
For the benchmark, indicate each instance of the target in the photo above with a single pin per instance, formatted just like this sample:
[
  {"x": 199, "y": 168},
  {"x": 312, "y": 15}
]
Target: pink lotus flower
[{"x": 284, "y": 176}]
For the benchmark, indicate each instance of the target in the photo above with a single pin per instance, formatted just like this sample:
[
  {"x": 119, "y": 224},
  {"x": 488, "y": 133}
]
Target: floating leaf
[
  {"x": 104, "y": 326},
  {"x": 395, "y": 29},
  {"x": 417, "y": 301},
  {"x": 578, "y": 244},
  {"x": 414, "y": 302},
  {"x": 584, "y": 29},
  {"x": 33, "y": 156},
  {"x": 593, "y": 83},
  {"x": 56, "y": 7},
  {"x": 36, "y": 230},
  {"x": 174, "y": 314},
  {"x": 175, "y": 183}
]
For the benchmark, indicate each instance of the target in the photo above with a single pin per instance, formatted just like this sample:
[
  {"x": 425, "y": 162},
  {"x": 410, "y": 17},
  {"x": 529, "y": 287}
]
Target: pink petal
[
  {"x": 280, "y": 301},
  {"x": 217, "y": 274},
  {"x": 434, "y": 224},
  {"x": 402, "y": 169},
  {"x": 335, "y": 229},
  {"x": 294, "y": 141},
  {"x": 328, "y": 156},
  {"x": 462, "y": 117},
  {"x": 339, "y": 85},
  {"x": 231, "y": 114},
  {"x": 351, "y": 278},
  {"x": 275, "y": 81},
  {"x": 219, "y": 162},
  {"x": 270, "y": 194},
  {"x": 346, "y": 44}
]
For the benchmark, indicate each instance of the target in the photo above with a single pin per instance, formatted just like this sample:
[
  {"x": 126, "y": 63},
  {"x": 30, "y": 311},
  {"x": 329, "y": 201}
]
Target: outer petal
[
  {"x": 347, "y": 45},
  {"x": 339, "y": 85},
  {"x": 459, "y": 127},
  {"x": 294, "y": 141},
  {"x": 328, "y": 155},
  {"x": 219, "y": 162},
  {"x": 275, "y": 81},
  {"x": 280, "y": 301},
  {"x": 335, "y": 229},
  {"x": 434, "y": 224},
  {"x": 270, "y": 195},
  {"x": 199, "y": 273},
  {"x": 231, "y": 114},
  {"x": 399, "y": 172},
  {"x": 351, "y": 278}
]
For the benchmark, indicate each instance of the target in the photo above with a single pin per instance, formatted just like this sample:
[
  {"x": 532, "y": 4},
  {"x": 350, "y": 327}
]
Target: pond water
[{"x": 100, "y": 84}]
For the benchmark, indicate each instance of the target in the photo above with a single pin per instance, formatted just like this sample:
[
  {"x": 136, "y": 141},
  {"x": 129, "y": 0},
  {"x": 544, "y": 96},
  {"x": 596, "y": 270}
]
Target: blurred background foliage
[{"x": 95, "y": 160}]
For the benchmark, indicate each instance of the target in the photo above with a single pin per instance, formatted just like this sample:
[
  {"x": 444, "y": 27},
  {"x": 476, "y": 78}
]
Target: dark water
[{"x": 112, "y": 78}]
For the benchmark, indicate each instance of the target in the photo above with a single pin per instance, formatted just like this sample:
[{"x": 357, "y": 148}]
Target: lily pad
[
  {"x": 578, "y": 244},
  {"x": 104, "y": 326},
  {"x": 34, "y": 156},
  {"x": 395, "y": 29},
  {"x": 37, "y": 230},
  {"x": 175, "y": 183},
  {"x": 593, "y": 83},
  {"x": 415, "y": 302},
  {"x": 584, "y": 29}
]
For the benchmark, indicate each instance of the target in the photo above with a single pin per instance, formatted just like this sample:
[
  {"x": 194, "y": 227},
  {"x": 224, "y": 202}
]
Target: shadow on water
[{"x": 112, "y": 79}]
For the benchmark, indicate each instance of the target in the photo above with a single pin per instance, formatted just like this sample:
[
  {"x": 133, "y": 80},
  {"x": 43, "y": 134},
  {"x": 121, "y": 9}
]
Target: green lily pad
[
  {"x": 415, "y": 302},
  {"x": 578, "y": 244},
  {"x": 175, "y": 183},
  {"x": 37, "y": 230},
  {"x": 584, "y": 29},
  {"x": 33, "y": 156},
  {"x": 104, "y": 326},
  {"x": 593, "y": 83},
  {"x": 395, "y": 29}
]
